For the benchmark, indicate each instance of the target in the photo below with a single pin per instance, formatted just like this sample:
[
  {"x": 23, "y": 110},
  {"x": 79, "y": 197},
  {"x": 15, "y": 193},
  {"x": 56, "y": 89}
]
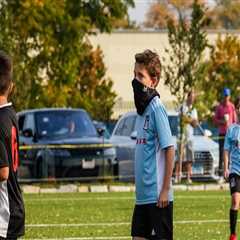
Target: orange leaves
[
  {"x": 227, "y": 51},
  {"x": 160, "y": 12}
]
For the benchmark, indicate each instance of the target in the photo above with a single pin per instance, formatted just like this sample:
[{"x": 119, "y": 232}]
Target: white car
[{"x": 124, "y": 139}]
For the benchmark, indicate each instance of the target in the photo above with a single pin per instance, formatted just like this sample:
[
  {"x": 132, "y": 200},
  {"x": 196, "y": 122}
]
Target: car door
[
  {"x": 125, "y": 146},
  {"x": 26, "y": 121}
]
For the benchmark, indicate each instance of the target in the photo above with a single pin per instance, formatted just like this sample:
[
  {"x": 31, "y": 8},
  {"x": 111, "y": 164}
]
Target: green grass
[{"x": 93, "y": 208}]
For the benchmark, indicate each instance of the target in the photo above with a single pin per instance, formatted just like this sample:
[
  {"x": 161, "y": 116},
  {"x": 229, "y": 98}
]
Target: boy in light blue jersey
[
  {"x": 154, "y": 154},
  {"x": 232, "y": 172}
]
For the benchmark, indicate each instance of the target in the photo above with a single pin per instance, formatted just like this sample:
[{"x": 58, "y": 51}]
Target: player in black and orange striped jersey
[{"x": 12, "y": 214}]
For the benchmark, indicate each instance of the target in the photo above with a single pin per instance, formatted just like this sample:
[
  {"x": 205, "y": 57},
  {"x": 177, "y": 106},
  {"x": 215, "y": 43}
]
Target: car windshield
[
  {"x": 61, "y": 124},
  {"x": 101, "y": 125}
]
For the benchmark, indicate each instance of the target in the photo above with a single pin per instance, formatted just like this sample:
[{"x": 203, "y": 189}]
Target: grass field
[{"x": 83, "y": 216}]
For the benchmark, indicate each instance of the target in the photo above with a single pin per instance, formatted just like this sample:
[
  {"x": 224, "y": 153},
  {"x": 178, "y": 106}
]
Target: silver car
[{"x": 124, "y": 139}]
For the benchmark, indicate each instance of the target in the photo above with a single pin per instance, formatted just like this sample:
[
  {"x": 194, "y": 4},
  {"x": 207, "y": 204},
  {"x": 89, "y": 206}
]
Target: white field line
[
  {"x": 83, "y": 238},
  {"x": 119, "y": 223},
  {"x": 76, "y": 225},
  {"x": 78, "y": 199},
  {"x": 118, "y": 198}
]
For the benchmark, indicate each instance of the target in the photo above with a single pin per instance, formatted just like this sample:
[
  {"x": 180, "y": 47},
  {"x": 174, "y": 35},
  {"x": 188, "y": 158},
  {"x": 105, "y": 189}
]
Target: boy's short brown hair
[
  {"x": 5, "y": 72},
  {"x": 150, "y": 60}
]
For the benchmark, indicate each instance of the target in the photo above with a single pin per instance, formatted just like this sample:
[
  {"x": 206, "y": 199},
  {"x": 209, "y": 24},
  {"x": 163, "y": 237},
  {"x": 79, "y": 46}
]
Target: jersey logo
[
  {"x": 146, "y": 123},
  {"x": 15, "y": 157},
  {"x": 141, "y": 141},
  {"x": 232, "y": 182},
  {"x": 153, "y": 232}
]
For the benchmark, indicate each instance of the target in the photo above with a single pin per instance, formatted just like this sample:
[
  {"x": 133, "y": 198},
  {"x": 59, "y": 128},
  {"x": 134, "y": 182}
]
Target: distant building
[{"x": 119, "y": 49}]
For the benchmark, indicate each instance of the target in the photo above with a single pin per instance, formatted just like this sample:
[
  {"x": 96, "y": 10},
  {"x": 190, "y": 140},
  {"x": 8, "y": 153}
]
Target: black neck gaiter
[{"x": 142, "y": 95}]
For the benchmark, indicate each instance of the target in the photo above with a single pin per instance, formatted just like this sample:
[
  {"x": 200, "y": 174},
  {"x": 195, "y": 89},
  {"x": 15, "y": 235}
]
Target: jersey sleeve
[
  {"x": 3, "y": 155},
  {"x": 227, "y": 141},
  {"x": 162, "y": 127}
]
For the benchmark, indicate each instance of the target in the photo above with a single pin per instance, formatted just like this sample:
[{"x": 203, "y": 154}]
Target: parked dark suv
[{"x": 62, "y": 143}]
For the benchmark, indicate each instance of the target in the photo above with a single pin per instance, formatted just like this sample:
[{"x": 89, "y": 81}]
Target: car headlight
[{"x": 215, "y": 155}]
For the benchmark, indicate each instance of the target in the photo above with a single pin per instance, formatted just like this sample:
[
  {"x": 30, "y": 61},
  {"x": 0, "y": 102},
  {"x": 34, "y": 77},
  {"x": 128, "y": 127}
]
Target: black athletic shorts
[
  {"x": 234, "y": 182},
  {"x": 152, "y": 222}
]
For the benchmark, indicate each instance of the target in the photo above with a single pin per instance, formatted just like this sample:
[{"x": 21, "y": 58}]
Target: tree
[
  {"x": 187, "y": 45},
  {"x": 223, "y": 70},
  {"x": 92, "y": 90},
  {"x": 125, "y": 23},
  {"x": 225, "y": 14},
  {"x": 183, "y": 70},
  {"x": 163, "y": 10},
  {"x": 47, "y": 39},
  {"x": 158, "y": 15}
]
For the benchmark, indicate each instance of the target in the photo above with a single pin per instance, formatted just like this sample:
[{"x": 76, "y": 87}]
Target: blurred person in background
[
  {"x": 190, "y": 120},
  {"x": 225, "y": 115}
]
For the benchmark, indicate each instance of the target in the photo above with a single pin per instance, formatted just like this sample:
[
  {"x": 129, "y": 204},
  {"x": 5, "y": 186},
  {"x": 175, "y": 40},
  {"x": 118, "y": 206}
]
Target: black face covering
[{"x": 142, "y": 95}]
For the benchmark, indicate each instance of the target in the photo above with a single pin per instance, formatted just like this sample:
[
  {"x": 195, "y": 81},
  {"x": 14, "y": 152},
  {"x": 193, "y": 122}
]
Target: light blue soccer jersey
[
  {"x": 232, "y": 144},
  {"x": 153, "y": 135}
]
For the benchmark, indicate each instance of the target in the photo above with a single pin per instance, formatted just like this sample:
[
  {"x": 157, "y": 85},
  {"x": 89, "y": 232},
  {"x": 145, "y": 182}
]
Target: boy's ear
[
  {"x": 10, "y": 90},
  {"x": 154, "y": 82}
]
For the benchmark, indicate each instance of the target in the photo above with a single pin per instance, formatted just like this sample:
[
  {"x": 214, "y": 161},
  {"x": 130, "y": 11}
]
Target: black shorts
[
  {"x": 234, "y": 182},
  {"x": 152, "y": 222}
]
